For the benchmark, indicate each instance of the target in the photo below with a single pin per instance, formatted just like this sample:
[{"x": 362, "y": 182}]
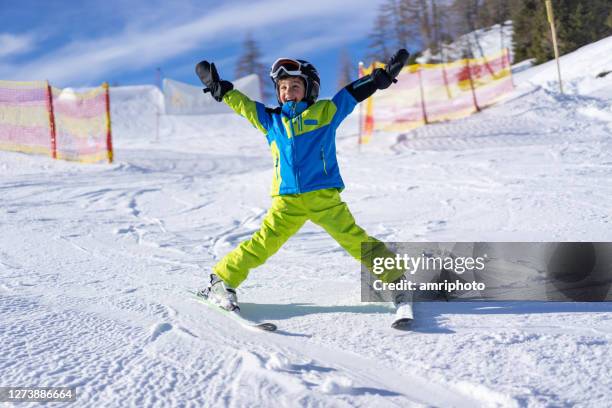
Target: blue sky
[{"x": 85, "y": 42}]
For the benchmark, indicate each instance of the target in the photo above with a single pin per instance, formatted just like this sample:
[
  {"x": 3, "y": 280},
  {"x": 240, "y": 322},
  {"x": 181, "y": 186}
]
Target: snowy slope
[
  {"x": 135, "y": 111},
  {"x": 482, "y": 42},
  {"x": 587, "y": 72},
  {"x": 95, "y": 261}
]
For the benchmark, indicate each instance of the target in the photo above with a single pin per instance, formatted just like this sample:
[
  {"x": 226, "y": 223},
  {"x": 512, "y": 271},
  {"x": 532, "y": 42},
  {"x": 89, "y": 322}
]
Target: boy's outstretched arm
[
  {"x": 380, "y": 78},
  {"x": 223, "y": 91},
  {"x": 364, "y": 87},
  {"x": 209, "y": 77}
]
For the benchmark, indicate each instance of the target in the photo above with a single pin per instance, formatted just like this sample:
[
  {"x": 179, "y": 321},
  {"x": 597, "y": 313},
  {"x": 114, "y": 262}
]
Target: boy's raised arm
[
  {"x": 209, "y": 77},
  {"x": 364, "y": 87},
  {"x": 254, "y": 112},
  {"x": 380, "y": 78}
]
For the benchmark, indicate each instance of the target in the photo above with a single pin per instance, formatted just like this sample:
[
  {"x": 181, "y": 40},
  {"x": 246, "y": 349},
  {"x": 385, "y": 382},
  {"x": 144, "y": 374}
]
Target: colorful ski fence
[
  {"x": 427, "y": 93},
  {"x": 37, "y": 118}
]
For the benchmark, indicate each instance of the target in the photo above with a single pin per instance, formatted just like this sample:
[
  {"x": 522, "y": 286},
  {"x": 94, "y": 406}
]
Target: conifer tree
[
  {"x": 578, "y": 23},
  {"x": 249, "y": 62},
  {"x": 348, "y": 71},
  {"x": 381, "y": 37}
]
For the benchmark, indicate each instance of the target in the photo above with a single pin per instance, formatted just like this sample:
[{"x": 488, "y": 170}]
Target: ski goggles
[{"x": 286, "y": 66}]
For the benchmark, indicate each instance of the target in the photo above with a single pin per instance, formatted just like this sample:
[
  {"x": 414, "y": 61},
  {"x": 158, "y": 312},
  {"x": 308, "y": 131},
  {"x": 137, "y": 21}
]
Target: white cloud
[
  {"x": 137, "y": 47},
  {"x": 11, "y": 44},
  {"x": 320, "y": 41}
]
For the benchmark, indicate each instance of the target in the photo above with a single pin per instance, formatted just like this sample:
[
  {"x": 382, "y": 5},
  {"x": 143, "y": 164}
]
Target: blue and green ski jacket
[{"x": 302, "y": 139}]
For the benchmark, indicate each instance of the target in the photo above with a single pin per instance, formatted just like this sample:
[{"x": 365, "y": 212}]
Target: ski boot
[
  {"x": 402, "y": 300},
  {"x": 220, "y": 294}
]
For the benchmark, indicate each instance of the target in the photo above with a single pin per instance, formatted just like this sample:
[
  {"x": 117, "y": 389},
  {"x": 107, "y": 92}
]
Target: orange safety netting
[
  {"x": 37, "y": 118},
  {"x": 428, "y": 93}
]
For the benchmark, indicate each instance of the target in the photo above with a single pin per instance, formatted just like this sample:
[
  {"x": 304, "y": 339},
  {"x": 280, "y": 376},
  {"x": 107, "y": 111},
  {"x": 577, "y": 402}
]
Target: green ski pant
[{"x": 286, "y": 216}]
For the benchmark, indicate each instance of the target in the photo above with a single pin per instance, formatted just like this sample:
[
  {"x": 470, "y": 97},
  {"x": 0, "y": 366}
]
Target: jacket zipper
[
  {"x": 295, "y": 167},
  {"x": 276, "y": 165},
  {"x": 323, "y": 159}
]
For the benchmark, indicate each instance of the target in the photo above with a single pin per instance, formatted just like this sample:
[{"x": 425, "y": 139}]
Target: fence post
[
  {"x": 445, "y": 77},
  {"x": 423, "y": 108},
  {"x": 551, "y": 20},
  {"x": 51, "y": 121},
  {"x": 469, "y": 72},
  {"x": 157, "y": 124},
  {"x": 161, "y": 89},
  {"x": 361, "y": 106},
  {"x": 109, "y": 140},
  {"x": 507, "y": 61},
  {"x": 366, "y": 123},
  {"x": 444, "y": 73}
]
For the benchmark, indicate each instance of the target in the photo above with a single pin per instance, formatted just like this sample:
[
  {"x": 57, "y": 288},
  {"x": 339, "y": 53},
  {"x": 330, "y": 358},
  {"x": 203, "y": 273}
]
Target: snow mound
[
  {"x": 277, "y": 361},
  {"x": 336, "y": 385}
]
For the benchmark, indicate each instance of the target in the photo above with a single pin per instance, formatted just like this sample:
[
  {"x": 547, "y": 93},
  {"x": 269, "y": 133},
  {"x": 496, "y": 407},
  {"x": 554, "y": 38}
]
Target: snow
[
  {"x": 486, "y": 42},
  {"x": 95, "y": 260},
  {"x": 579, "y": 72}
]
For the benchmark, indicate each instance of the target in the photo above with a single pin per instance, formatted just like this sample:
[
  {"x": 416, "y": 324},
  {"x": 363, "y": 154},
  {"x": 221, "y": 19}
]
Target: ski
[{"x": 235, "y": 315}]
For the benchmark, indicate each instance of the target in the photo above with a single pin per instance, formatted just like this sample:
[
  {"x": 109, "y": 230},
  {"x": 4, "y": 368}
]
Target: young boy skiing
[{"x": 306, "y": 184}]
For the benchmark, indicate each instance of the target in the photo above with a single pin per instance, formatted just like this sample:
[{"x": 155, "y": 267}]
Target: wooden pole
[
  {"x": 444, "y": 75},
  {"x": 109, "y": 140},
  {"x": 51, "y": 121},
  {"x": 157, "y": 124},
  {"x": 507, "y": 61},
  {"x": 469, "y": 72},
  {"x": 157, "y": 111},
  {"x": 551, "y": 21},
  {"x": 361, "y": 107},
  {"x": 422, "y": 91}
]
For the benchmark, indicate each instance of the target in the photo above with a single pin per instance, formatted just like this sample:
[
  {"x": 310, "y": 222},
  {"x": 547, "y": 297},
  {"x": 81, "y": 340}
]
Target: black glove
[
  {"x": 383, "y": 78},
  {"x": 209, "y": 77}
]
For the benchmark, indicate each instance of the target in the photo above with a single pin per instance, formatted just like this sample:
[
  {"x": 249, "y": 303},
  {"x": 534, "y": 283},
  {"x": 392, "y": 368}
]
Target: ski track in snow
[{"x": 94, "y": 262}]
